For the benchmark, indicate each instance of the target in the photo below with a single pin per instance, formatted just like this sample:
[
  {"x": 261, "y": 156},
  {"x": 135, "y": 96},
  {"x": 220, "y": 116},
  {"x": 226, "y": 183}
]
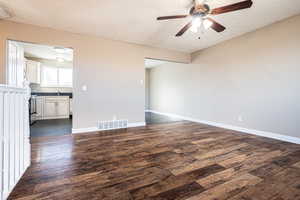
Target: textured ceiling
[
  {"x": 135, "y": 20},
  {"x": 45, "y": 52}
]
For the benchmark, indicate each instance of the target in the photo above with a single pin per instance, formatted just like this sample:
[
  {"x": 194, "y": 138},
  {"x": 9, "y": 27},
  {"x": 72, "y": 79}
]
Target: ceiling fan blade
[
  {"x": 216, "y": 26},
  {"x": 232, "y": 7},
  {"x": 172, "y": 17},
  {"x": 184, "y": 29},
  {"x": 190, "y": 4}
]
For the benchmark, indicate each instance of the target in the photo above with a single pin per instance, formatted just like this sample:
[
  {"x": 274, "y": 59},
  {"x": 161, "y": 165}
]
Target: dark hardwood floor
[
  {"x": 153, "y": 118},
  {"x": 51, "y": 127},
  {"x": 180, "y": 160}
]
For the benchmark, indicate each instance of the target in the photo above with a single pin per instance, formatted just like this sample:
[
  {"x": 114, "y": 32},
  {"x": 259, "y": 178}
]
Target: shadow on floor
[
  {"x": 53, "y": 127},
  {"x": 152, "y": 118}
]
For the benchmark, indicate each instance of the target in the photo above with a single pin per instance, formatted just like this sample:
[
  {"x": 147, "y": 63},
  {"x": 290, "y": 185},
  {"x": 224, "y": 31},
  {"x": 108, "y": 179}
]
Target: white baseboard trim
[
  {"x": 95, "y": 129},
  {"x": 235, "y": 128},
  {"x": 84, "y": 130},
  {"x": 137, "y": 124},
  {"x": 60, "y": 117}
]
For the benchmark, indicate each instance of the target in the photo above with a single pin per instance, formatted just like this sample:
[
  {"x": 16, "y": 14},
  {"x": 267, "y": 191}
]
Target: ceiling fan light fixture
[
  {"x": 197, "y": 21},
  {"x": 207, "y": 23},
  {"x": 194, "y": 29}
]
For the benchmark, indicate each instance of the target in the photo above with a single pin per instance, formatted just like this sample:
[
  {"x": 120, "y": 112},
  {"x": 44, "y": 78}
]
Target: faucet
[{"x": 58, "y": 92}]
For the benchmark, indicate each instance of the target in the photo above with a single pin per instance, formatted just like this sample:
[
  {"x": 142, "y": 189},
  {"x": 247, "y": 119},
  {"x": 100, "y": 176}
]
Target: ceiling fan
[{"x": 200, "y": 13}]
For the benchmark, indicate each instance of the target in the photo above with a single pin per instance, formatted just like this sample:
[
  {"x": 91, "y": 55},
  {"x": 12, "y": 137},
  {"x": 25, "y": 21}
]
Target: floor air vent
[{"x": 111, "y": 125}]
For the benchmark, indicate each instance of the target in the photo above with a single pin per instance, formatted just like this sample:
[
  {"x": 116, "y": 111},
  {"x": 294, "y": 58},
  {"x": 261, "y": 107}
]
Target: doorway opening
[
  {"x": 155, "y": 112},
  {"x": 48, "y": 70}
]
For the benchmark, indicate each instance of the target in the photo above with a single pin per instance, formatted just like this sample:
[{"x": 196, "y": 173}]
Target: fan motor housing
[{"x": 200, "y": 10}]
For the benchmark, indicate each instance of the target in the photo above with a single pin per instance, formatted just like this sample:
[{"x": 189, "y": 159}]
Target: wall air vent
[{"x": 111, "y": 125}]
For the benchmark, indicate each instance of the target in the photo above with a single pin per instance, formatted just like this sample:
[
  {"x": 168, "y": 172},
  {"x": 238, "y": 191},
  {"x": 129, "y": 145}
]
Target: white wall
[{"x": 255, "y": 76}]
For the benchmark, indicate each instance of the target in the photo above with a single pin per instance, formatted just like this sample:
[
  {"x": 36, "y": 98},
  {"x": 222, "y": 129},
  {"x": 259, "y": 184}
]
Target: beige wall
[
  {"x": 255, "y": 76},
  {"x": 147, "y": 89},
  {"x": 111, "y": 70}
]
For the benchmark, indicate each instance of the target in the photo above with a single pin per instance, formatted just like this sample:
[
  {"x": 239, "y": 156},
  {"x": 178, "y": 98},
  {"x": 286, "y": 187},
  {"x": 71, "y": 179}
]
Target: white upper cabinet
[
  {"x": 33, "y": 71},
  {"x": 55, "y": 76}
]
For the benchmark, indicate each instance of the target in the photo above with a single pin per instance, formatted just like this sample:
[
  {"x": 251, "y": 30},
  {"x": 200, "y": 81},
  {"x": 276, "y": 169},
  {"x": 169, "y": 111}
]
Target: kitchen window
[{"x": 56, "y": 76}]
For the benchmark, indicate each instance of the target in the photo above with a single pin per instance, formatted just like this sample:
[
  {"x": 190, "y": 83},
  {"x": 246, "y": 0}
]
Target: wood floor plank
[
  {"x": 217, "y": 178},
  {"x": 189, "y": 166},
  {"x": 297, "y": 165},
  {"x": 179, "y": 193},
  {"x": 225, "y": 190},
  {"x": 218, "y": 152}
]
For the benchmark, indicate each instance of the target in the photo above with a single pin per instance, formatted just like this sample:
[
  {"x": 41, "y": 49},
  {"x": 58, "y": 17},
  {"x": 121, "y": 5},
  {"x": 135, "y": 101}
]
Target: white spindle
[
  {"x": 17, "y": 136},
  {"x": 1, "y": 143},
  {"x": 14, "y": 137},
  {"x": 6, "y": 144},
  {"x": 22, "y": 164},
  {"x": 12, "y": 140}
]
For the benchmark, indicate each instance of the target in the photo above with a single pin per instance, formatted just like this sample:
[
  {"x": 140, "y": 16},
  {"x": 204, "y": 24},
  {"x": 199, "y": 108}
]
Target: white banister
[{"x": 14, "y": 136}]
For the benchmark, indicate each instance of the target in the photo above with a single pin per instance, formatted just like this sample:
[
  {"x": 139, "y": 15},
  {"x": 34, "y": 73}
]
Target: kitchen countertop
[{"x": 69, "y": 94}]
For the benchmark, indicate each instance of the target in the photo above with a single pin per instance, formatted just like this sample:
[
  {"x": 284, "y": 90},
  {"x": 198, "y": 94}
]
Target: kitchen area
[{"x": 48, "y": 70}]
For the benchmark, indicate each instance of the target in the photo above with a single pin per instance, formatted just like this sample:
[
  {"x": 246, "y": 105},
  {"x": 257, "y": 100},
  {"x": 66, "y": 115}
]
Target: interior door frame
[
  {"x": 17, "y": 59},
  {"x": 7, "y": 60},
  {"x": 45, "y": 44}
]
